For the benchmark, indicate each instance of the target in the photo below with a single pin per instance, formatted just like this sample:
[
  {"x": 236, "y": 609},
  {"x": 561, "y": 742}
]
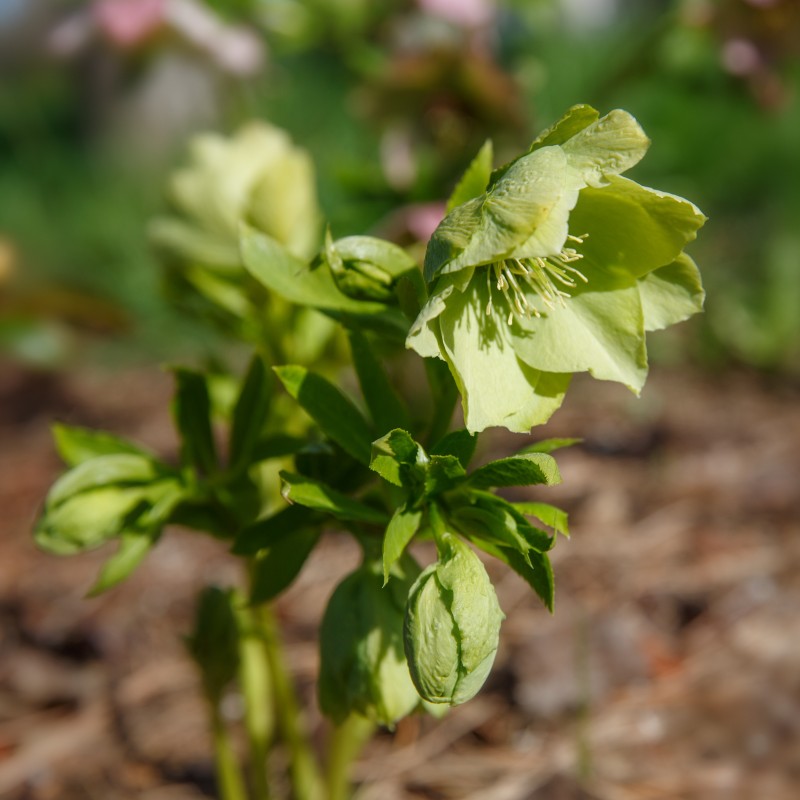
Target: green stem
[
  {"x": 444, "y": 394},
  {"x": 438, "y": 526},
  {"x": 229, "y": 776},
  {"x": 345, "y": 744},
  {"x": 306, "y": 780},
  {"x": 255, "y": 681}
]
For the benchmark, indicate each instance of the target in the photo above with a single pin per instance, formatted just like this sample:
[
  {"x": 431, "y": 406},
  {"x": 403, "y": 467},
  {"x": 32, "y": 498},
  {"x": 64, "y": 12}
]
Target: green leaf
[
  {"x": 335, "y": 414},
  {"x": 312, "y": 494},
  {"x": 671, "y": 294},
  {"x": 538, "y": 574},
  {"x": 269, "y": 531},
  {"x": 76, "y": 445},
  {"x": 195, "y": 244},
  {"x": 385, "y": 407},
  {"x": 118, "y": 469},
  {"x": 460, "y": 443},
  {"x": 495, "y": 519},
  {"x": 191, "y": 409},
  {"x": 277, "y": 567},
  {"x": 214, "y": 642},
  {"x": 443, "y": 473},
  {"x": 398, "y": 459},
  {"x": 548, "y": 445},
  {"x": 476, "y": 178},
  {"x": 133, "y": 547},
  {"x": 326, "y": 462},
  {"x": 250, "y": 413},
  {"x": 277, "y": 445},
  {"x": 399, "y": 532},
  {"x": 281, "y": 272},
  {"x": 527, "y": 469},
  {"x": 88, "y": 519},
  {"x": 551, "y": 516},
  {"x": 228, "y": 295},
  {"x": 491, "y": 525},
  {"x": 136, "y": 543}
]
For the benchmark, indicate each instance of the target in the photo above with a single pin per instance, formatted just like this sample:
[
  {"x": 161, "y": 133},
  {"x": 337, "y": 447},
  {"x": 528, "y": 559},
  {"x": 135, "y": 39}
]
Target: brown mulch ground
[{"x": 671, "y": 668}]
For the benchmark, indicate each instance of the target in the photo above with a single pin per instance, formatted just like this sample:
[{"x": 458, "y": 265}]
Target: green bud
[
  {"x": 103, "y": 497},
  {"x": 356, "y": 276},
  {"x": 362, "y": 665},
  {"x": 452, "y": 626}
]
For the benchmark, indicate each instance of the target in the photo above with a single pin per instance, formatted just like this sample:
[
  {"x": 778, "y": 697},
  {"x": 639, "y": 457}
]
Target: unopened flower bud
[
  {"x": 355, "y": 273},
  {"x": 452, "y": 626}
]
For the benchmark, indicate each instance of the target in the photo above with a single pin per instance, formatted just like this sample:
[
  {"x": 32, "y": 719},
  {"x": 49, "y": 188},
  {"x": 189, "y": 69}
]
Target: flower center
[{"x": 514, "y": 277}]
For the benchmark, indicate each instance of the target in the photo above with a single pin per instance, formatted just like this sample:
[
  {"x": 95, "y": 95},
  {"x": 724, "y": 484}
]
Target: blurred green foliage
[{"x": 393, "y": 101}]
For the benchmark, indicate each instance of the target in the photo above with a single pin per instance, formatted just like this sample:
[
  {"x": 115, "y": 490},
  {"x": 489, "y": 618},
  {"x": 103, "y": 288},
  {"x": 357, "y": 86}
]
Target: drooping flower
[
  {"x": 558, "y": 265},
  {"x": 257, "y": 176}
]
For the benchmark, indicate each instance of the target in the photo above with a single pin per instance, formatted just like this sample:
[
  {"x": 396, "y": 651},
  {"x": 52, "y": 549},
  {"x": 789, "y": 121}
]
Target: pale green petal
[
  {"x": 216, "y": 187},
  {"x": 671, "y": 294},
  {"x": 631, "y": 227},
  {"x": 256, "y": 175},
  {"x": 598, "y": 331},
  {"x": 491, "y": 226},
  {"x": 575, "y": 120},
  {"x": 284, "y": 204},
  {"x": 608, "y": 146},
  {"x": 422, "y": 336},
  {"x": 497, "y": 389}
]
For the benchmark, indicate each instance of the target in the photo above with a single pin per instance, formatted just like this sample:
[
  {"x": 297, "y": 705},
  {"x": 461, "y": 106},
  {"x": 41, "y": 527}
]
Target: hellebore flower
[
  {"x": 560, "y": 265},
  {"x": 258, "y": 176},
  {"x": 452, "y": 626}
]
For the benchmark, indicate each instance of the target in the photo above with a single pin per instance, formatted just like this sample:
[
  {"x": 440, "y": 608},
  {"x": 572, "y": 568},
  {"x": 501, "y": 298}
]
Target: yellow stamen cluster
[{"x": 513, "y": 276}]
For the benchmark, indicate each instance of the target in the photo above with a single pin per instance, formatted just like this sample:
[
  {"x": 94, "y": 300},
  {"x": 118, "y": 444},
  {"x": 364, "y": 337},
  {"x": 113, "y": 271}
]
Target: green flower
[
  {"x": 258, "y": 176},
  {"x": 560, "y": 265}
]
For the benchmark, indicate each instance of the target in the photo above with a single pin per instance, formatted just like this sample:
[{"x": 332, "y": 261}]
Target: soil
[{"x": 671, "y": 668}]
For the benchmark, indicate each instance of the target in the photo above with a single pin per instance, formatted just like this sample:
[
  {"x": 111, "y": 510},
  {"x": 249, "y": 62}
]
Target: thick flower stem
[
  {"x": 345, "y": 744},
  {"x": 229, "y": 777},
  {"x": 305, "y": 776},
  {"x": 255, "y": 681}
]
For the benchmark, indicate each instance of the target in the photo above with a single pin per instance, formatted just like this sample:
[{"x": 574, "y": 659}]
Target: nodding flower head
[{"x": 559, "y": 265}]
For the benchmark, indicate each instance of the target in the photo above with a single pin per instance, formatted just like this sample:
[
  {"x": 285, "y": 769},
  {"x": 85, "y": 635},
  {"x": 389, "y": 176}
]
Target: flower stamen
[{"x": 513, "y": 276}]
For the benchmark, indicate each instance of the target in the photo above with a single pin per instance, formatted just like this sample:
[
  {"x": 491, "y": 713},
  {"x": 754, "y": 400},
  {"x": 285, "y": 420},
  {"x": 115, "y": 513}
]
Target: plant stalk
[
  {"x": 305, "y": 775},
  {"x": 255, "y": 681},
  {"x": 229, "y": 777},
  {"x": 345, "y": 744}
]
